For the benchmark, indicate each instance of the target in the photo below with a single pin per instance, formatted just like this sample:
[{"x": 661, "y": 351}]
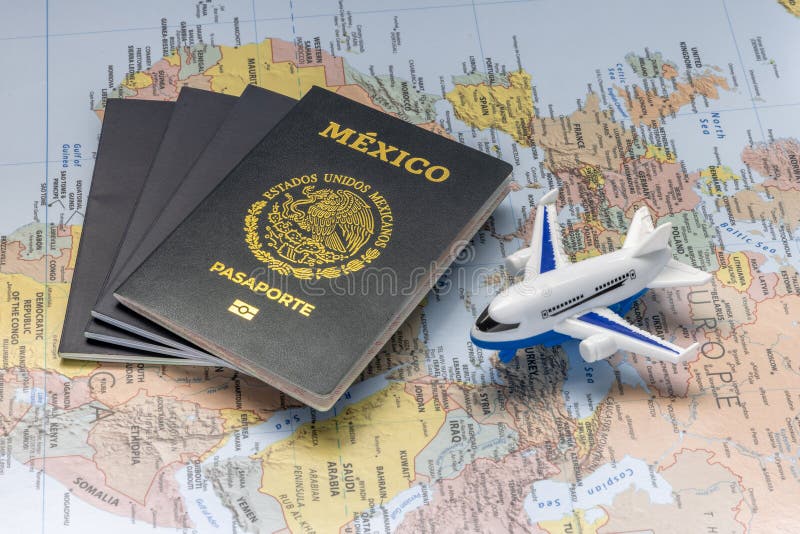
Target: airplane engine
[{"x": 597, "y": 347}]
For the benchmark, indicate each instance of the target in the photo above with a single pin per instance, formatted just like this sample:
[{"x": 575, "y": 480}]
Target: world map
[{"x": 688, "y": 108}]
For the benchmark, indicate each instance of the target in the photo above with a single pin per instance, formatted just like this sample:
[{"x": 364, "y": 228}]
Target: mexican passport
[
  {"x": 245, "y": 124},
  {"x": 308, "y": 252}
]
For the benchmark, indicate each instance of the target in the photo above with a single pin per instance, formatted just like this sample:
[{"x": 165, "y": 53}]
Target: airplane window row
[
  {"x": 610, "y": 282},
  {"x": 565, "y": 303}
]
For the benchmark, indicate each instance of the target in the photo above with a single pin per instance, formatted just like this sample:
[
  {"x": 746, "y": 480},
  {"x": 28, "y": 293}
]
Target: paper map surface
[{"x": 690, "y": 108}]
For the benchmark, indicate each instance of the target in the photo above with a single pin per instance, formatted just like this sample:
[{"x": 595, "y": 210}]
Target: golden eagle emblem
[
  {"x": 339, "y": 221},
  {"x": 317, "y": 233}
]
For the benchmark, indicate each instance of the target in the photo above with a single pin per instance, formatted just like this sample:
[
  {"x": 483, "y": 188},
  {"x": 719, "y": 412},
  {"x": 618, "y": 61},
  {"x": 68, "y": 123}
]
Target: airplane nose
[{"x": 485, "y": 323}]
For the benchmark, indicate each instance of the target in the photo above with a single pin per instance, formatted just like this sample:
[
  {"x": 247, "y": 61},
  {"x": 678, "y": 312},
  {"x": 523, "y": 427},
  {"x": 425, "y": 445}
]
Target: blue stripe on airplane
[
  {"x": 547, "y": 339},
  {"x": 598, "y": 320},
  {"x": 550, "y": 338},
  {"x": 548, "y": 260}
]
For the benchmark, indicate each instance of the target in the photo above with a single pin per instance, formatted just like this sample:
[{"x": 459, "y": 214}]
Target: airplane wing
[
  {"x": 545, "y": 252},
  {"x": 677, "y": 274},
  {"x": 604, "y": 332}
]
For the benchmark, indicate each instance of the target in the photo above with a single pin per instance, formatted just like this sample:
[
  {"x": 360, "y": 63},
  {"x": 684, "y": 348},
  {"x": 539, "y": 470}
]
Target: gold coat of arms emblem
[{"x": 311, "y": 230}]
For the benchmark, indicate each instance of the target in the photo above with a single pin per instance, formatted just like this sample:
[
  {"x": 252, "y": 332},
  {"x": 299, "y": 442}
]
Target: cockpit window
[{"x": 487, "y": 324}]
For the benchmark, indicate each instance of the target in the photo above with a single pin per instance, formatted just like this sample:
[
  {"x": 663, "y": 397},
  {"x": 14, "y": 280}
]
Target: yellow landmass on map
[
  {"x": 235, "y": 419},
  {"x": 77, "y": 232},
  {"x": 508, "y": 108},
  {"x": 253, "y": 63},
  {"x": 576, "y": 523},
  {"x": 585, "y": 255},
  {"x": 792, "y": 6},
  {"x": 736, "y": 272},
  {"x": 32, "y": 315},
  {"x": 585, "y": 431},
  {"x": 330, "y": 470},
  {"x": 174, "y": 59},
  {"x": 714, "y": 176},
  {"x": 659, "y": 153},
  {"x": 593, "y": 175},
  {"x": 139, "y": 80}
]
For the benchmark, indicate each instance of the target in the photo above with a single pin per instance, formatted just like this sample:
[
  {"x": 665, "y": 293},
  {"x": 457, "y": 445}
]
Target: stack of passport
[{"x": 285, "y": 239}]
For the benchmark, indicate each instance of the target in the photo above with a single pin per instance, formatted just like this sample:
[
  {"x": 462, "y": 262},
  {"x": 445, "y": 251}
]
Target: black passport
[
  {"x": 195, "y": 119},
  {"x": 132, "y": 132},
  {"x": 303, "y": 262},
  {"x": 249, "y": 120}
]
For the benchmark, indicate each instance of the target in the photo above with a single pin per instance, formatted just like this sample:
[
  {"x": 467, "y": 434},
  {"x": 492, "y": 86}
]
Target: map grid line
[{"x": 47, "y": 238}]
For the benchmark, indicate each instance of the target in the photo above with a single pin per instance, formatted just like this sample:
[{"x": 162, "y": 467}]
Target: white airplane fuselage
[{"x": 534, "y": 307}]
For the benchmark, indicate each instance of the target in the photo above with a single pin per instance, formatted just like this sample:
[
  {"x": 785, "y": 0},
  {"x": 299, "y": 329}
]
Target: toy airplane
[{"x": 558, "y": 300}]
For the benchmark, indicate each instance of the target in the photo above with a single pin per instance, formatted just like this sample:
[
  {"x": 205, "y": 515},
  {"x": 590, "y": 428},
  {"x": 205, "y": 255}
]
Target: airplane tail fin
[
  {"x": 641, "y": 226},
  {"x": 677, "y": 274},
  {"x": 654, "y": 241},
  {"x": 644, "y": 239}
]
